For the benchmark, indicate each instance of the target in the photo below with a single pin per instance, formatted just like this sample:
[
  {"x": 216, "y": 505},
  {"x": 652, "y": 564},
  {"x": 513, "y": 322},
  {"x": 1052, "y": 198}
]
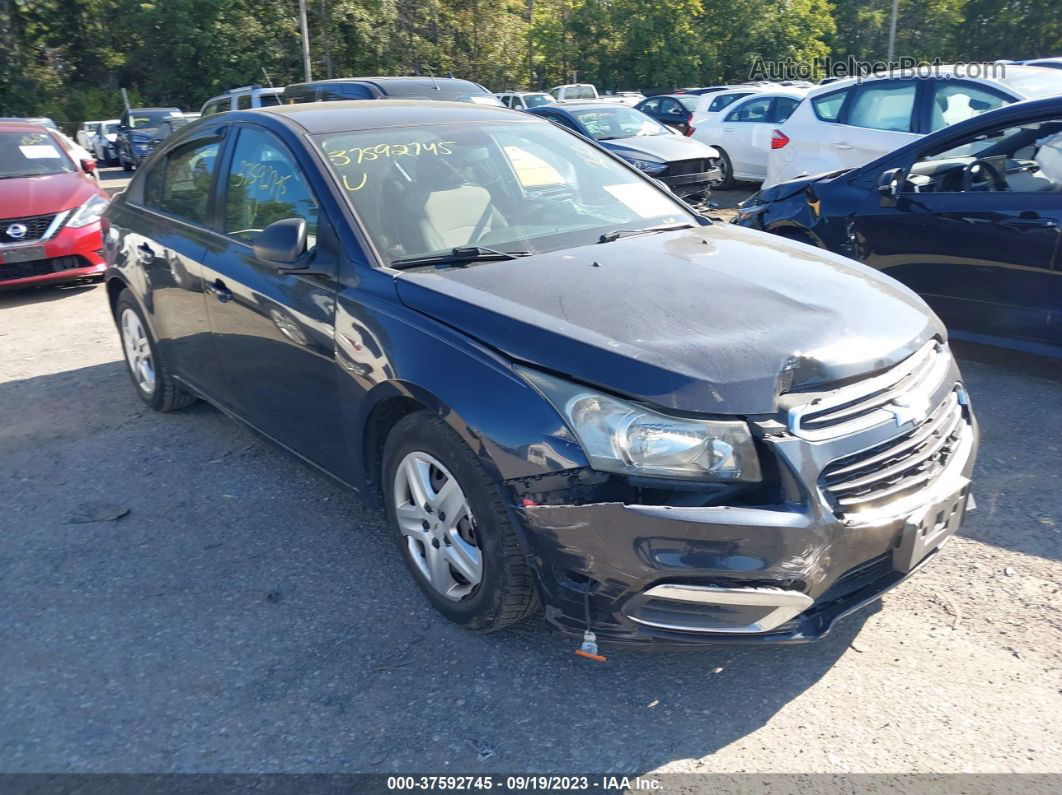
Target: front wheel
[
  {"x": 453, "y": 527},
  {"x": 126, "y": 165}
]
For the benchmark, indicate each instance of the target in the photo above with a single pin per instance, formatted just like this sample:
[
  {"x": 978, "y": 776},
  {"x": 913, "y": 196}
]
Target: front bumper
[
  {"x": 693, "y": 184},
  {"x": 617, "y": 560},
  {"x": 67, "y": 255}
]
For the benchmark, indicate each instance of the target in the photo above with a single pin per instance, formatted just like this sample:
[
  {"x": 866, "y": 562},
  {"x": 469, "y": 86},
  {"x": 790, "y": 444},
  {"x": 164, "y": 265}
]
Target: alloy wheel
[
  {"x": 435, "y": 519},
  {"x": 137, "y": 351}
]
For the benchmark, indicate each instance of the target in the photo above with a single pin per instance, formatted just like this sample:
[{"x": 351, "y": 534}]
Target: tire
[
  {"x": 126, "y": 165},
  {"x": 727, "y": 182},
  {"x": 159, "y": 391},
  {"x": 505, "y": 593}
]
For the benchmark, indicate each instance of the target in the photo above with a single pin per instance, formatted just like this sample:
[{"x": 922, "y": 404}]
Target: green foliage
[{"x": 69, "y": 58}]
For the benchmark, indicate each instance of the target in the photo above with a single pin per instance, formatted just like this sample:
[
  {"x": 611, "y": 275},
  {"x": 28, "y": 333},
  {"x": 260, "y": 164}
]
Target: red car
[{"x": 50, "y": 208}]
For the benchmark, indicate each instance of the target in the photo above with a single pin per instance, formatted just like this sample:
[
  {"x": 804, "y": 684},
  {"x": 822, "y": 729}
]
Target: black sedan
[
  {"x": 564, "y": 385},
  {"x": 690, "y": 168},
  {"x": 968, "y": 217}
]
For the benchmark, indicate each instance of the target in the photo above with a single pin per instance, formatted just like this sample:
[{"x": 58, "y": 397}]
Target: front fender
[{"x": 386, "y": 351}]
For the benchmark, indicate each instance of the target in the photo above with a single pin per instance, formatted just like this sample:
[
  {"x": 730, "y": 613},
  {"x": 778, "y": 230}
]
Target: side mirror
[
  {"x": 890, "y": 182},
  {"x": 282, "y": 242},
  {"x": 88, "y": 165}
]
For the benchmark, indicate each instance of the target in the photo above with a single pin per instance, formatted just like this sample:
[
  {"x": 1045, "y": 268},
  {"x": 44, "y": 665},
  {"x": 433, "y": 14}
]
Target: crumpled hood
[
  {"x": 48, "y": 193},
  {"x": 667, "y": 148},
  {"x": 783, "y": 190},
  {"x": 716, "y": 319}
]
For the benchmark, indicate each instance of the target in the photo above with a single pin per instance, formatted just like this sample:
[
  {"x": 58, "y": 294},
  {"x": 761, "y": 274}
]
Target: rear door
[
  {"x": 746, "y": 136},
  {"x": 878, "y": 117},
  {"x": 274, "y": 330},
  {"x": 168, "y": 241}
]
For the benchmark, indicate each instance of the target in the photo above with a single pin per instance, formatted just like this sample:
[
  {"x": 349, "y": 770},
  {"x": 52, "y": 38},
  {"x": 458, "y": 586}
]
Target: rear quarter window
[{"x": 828, "y": 106}]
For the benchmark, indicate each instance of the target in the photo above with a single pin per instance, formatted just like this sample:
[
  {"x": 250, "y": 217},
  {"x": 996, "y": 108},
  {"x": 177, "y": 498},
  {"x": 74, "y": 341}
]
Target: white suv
[
  {"x": 243, "y": 98},
  {"x": 851, "y": 122}
]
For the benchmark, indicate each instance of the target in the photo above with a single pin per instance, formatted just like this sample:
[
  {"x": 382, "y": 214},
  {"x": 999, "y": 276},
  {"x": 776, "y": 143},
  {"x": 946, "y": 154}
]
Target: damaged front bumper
[{"x": 785, "y": 573}]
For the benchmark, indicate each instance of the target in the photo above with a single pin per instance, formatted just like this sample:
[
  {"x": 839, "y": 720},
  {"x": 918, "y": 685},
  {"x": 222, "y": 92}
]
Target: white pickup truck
[{"x": 579, "y": 91}]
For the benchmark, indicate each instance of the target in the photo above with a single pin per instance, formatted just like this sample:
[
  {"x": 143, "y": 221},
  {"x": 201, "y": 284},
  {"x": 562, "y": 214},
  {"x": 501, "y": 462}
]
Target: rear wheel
[
  {"x": 453, "y": 527},
  {"x": 147, "y": 367},
  {"x": 726, "y": 171}
]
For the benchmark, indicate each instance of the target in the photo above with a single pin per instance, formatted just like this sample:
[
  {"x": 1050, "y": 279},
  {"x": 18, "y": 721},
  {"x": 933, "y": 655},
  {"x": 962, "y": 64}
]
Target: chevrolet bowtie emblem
[{"x": 907, "y": 409}]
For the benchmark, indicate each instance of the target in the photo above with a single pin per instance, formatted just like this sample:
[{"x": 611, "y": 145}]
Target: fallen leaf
[{"x": 98, "y": 513}]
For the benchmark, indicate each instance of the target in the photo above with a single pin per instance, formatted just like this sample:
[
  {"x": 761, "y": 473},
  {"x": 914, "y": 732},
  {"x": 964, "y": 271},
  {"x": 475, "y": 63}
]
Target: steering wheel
[{"x": 981, "y": 175}]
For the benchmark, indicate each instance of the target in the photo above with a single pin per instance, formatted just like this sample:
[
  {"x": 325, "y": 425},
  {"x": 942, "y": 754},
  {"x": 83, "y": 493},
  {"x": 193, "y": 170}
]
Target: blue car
[{"x": 968, "y": 217}]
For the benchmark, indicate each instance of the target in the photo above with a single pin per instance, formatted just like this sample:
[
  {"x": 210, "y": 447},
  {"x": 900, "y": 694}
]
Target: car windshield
[
  {"x": 1034, "y": 82},
  {"x": 28, "y": 154},
  {"x": 605, "y": 124},
  {"x": 518, "y": 187},
  {"x": 149, "y": 119},
  {"x": 538, "y": 100}
]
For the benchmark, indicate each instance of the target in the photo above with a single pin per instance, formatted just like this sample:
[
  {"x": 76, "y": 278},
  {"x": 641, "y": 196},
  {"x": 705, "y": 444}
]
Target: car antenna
[
  {"x": 268, "y": 80},
  {"x": 434, "y": 82}
]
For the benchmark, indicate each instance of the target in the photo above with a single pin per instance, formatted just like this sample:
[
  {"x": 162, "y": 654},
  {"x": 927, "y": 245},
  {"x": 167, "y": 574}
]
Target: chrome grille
[
  {"x": 683, "y": 167},
  {"x": 873, "y": 478},
  {"x": 899, "y": 393},
  {"x": 35, "y": 225}
]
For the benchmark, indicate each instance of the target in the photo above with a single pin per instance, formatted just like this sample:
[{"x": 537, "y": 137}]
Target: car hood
[
  {"x": 715, "y": 319},
  {"x": 791, "y": 187},
  {"x": 667, "y": 148},
  {"x": 49, "y": 193}
]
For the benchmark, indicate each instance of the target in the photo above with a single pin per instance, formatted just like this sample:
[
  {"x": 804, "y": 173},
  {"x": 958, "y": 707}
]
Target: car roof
[
  {"x": 17, "y": 125},
  {"x": 368, "y": 114},
  {"x": 384, "y": 81},
  {"x": 585, "y": 104},
  {"x": 944, "y": 70},
  {"x": 137, "y": 110}
]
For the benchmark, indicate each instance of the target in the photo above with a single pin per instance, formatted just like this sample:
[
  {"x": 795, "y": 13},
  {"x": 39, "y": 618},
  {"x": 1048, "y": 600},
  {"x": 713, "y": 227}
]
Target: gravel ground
[{"x": 244, "y": 614}]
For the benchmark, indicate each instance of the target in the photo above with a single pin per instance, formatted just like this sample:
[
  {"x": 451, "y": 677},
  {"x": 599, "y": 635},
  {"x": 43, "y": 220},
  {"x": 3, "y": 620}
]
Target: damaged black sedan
[{"x": 567, "y": 388}]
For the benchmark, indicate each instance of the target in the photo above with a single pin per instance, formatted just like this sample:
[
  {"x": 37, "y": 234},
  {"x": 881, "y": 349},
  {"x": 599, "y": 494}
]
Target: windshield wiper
[
  {"x": 616, "y": 234},
  {"x": 459, "y": 256}
]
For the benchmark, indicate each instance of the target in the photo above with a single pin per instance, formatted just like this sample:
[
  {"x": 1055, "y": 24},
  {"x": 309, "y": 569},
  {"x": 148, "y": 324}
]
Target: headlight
[
  {"x": 648, "y": 166},
  {"x": 618, "y": 436},
  {"x": 88, "y": 213}
]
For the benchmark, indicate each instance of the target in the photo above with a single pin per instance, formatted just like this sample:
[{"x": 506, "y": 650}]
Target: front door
[
  {"x": 274, "y": 330},
  {"x": 976, "y": 232}
]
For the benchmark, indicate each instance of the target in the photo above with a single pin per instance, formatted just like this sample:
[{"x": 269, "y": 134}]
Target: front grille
[
  {"x": 892, "y": 470},
  {"x": 683, "y": 167},
  {"x": 901, "y": 390},
  {"x": 39, "y": 267},
  {"x": 35, "y": 225}
]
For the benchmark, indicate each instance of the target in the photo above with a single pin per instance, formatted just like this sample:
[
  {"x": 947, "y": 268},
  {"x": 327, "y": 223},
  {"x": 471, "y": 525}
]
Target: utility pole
[
  {"x": 892, "y": 32},
  {"x": 305, "y": 41}
]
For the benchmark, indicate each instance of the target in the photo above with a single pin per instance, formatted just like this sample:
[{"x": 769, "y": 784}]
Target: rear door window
[
  {"x": 783, "y": 108},
  {"x": 883, "y": 105},
  {"x": 180, "y": 184},
  {"x": 753, "y": 110},
  {"x": 243, "y": 102}
]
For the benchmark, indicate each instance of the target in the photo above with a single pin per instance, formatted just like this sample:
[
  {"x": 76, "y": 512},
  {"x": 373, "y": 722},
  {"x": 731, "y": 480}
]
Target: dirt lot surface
[{"x": 177, "y": 595}]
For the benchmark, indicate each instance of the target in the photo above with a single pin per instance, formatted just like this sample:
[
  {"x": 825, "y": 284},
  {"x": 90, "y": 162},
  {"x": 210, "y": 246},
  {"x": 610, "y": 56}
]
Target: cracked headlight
[
  {"x": 624, "y": 437},
  {"x": 88, "y": 213}
]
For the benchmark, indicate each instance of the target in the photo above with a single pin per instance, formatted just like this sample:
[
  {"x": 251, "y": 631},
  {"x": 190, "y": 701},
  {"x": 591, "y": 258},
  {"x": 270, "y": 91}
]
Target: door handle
[
  {"x": 145, "y": 254},
  {"x": 220, "y": 291},
  {"x": 841, "y": 145},
  {"x": 728, "y": 129}
]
